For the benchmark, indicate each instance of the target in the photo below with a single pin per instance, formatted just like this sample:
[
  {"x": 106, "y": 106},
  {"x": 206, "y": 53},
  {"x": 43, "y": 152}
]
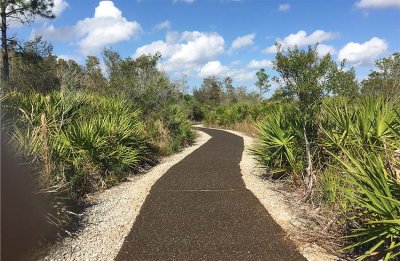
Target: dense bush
[
  {"x": 84, "y": 140},
  {"x": 77, "y": 142},
  {"x": 357, "y": 167},
  {"x": 239, "y": 116},
  {"x": 171, "y": 131},
  {"x": 281, "y": 142}
]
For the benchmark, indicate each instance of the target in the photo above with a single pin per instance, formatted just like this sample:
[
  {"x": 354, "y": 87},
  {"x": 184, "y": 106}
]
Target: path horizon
[{"x": 201, "y": 210}]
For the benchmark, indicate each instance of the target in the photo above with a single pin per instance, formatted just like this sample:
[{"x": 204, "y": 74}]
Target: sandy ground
[{"x": 109, "y": 220}]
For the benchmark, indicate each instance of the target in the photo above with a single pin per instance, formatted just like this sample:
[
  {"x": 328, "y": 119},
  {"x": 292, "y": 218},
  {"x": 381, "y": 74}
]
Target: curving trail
[{"x": 201, "y": 210}]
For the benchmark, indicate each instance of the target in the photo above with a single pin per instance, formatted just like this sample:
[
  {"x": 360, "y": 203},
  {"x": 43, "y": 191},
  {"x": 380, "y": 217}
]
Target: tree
[
  {"x": 210, "y": 91},
  {"x": 94, "y": 78},
  {"x": 23, "y": 11},
  {"x": 304, "y": 77},
  {"x": 141, "y": 82},
  {"x": 385, "y": 80},
  {"x": 343, "y": 82},
  {"x": 229, "y": 90},
  {"x": 262, "y": 81},
  {"x": 34, "y": 67},
  {"x": 113, "y": 63},
  {"x": 70, "y": 74},
  {"x": 181, "y": 84}
]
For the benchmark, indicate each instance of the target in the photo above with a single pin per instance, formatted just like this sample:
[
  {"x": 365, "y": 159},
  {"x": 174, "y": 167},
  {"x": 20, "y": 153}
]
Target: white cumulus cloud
[
  {"x": 50, "y": 32},
  {"x": 243, "y": 75},
  {"x": 163, "y": 25},
  {"x": 323, "y": 49},
  {"x": 363, "y": 54},
  {"x": 59, "y": 7},
  {"x": 260, "y": 64},
  {"x": 243, "y": 41},
  {"x": 166, "y": 49},
  {"x": 301, "y": 38},
  {"x": 187, "y": 50},
  {"x": 106, "y": 27},
  {"x": 378, "y": 3},
  {"x": 284, "y": 7},
  {"x": 213, "y": 68}
]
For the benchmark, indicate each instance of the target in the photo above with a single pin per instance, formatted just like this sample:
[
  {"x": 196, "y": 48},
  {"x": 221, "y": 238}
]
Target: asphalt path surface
[{"x": 201, "y": 210}]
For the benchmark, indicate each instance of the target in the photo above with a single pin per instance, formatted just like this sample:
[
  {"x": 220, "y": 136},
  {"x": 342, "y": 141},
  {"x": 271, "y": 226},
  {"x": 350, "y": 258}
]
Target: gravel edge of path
[
  {"x": 109, "y": 220},
  {"x": 275, "y": 202}
]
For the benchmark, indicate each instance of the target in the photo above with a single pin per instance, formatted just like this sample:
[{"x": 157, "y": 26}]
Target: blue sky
[{"x": 222, "y": 37}]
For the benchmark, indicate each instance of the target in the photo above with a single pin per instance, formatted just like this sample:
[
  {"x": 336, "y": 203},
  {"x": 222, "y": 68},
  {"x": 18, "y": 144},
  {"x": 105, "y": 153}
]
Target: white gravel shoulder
[
  {"x": 275, "y": 202},
  {"x": 109, "y": 220}
]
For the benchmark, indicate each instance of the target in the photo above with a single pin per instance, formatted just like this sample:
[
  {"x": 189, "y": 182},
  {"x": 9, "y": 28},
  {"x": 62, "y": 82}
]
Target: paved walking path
[{"x": 201, "y": 210}]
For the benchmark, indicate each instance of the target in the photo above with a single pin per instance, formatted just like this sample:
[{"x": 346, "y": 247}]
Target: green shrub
[
  {"x": 361, "y": 140},
  {"x": 279, "y": 149},
  {"x": 374, "y": 195},
  {"x": 78, "y": 139},
  {"x": 358, "y": 165},
  {"x": 172, "y": 131}
]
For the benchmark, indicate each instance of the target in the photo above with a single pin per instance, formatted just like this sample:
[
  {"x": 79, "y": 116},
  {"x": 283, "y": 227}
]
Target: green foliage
[
  {"x": 328, "y": 187},
  {"x": 343, "y": 82},
  {"x": 34, "y": 67},
  {"x": 227, "y": 115},
  {"x": 358, "y": 165},
  {"x": 67, "y": 132},
  {"x": 25, "y": 11},
  {"x": 80, "y": 132},
  {"x": 303, "y": 75},
  {"x": 29, "y": 9},
  {"x": 307, "y": 79},
  {"x": 262, "y": 81},
  {"x": 229, "y": 91},
  {"x": 369, "y": 123},
  {"x": 385, "y": 80},
  {"x": 210, "y": 91},
  {"x": 140, "y": 81},
  {"x": 214, "y": 92},
  {"x": 375, "y": 198},
  {"x": 280, "y": 141},
  {"x": 361, "y": 139},
  {"x": 171, "y": 131},
  {"x": 93, "y": 77}
]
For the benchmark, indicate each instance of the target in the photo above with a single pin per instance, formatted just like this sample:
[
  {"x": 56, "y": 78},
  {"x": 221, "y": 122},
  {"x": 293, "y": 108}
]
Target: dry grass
[
  {"x": 247, "y": 127},
  {"x": 163, "y": 138}
]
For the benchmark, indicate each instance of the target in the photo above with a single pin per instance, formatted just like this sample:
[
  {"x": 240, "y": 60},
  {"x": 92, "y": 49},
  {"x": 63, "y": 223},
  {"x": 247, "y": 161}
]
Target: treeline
[
  {"x": 79, "y": 129},
  {"x": 337, "y": 141}
]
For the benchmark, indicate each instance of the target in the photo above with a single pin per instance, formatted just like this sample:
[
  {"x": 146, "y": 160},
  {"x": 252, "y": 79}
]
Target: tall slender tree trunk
[
  {"x": 5, "y": 72},
  {"x": 310, "y": 173}
]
